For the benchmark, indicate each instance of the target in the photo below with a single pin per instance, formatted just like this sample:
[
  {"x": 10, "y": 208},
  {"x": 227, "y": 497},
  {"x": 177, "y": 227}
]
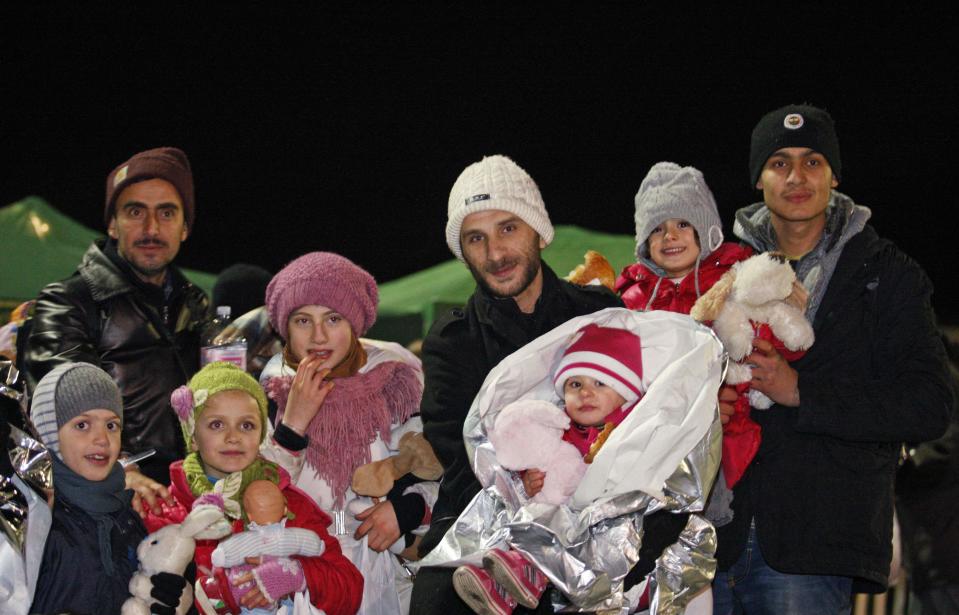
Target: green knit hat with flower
[{"x": 189, "y": 400}]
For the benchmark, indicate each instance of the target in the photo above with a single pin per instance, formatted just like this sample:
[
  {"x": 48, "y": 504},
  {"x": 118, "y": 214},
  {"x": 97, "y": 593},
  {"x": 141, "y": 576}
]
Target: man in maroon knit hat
[{"x": 127, "y": 309}]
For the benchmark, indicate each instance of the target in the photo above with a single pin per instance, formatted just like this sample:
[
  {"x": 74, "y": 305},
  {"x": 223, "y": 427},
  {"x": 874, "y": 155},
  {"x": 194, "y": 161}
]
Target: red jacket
[
  {"x": 637, "y": 282},
  {"x": 335, "y": 584}
]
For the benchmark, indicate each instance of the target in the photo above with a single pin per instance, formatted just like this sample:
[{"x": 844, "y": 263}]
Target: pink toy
[{"x": 529, "y": 434}]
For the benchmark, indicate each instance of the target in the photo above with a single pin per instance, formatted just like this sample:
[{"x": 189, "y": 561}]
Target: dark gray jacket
[{"x": 821, "y": 486}]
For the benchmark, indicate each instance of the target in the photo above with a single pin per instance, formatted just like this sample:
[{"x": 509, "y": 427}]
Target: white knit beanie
[
  {"x": 671, "y": 191},
  {"x": 495, "y": 182},
  {"x": 67, "y": 391}
]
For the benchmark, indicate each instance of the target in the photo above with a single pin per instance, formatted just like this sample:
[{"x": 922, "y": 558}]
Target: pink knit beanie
[{"x": 323, "y": 278}]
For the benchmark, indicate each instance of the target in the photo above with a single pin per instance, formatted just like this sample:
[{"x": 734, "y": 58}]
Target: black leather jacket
[{"x": 100, "y": 315}]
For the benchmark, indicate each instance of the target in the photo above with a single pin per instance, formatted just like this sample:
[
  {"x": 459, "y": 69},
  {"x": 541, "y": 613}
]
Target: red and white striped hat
[{"x": 612, "y": 356}]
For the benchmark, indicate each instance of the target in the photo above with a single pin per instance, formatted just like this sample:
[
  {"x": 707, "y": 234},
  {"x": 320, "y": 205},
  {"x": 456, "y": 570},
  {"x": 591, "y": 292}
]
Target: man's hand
[
  {"x": 147, "y": 491},
  {"x": 727, "y": 403},
  {"x": 772, "y": 375},
  {"x": 379, "y": 526},
  {"x": 533, "y": 480},
  {"x": 307, "y": 393}
]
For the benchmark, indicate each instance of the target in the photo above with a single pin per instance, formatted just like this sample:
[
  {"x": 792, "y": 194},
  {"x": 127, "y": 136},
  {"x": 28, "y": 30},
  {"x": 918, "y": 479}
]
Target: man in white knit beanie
[{"x": 497, "y": 225}]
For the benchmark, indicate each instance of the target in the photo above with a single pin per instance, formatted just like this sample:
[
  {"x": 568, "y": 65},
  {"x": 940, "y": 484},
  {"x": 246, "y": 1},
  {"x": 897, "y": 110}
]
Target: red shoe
[
  {"x": 481, "y": 593},
  {"x": 513, "y": 571}
]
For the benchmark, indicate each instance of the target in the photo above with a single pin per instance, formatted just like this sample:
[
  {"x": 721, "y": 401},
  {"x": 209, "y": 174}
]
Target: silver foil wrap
[
  {"x": 31, "y": 462},
  {"x": 30, "y": 459},
  {"x": 13, "y": 512},
  {"x": 664, "y": 456}
]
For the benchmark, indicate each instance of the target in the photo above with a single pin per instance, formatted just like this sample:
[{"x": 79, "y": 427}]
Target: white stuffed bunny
[
  {"x": 169, "y": 549},
  {"x": 529, "y": 434}
]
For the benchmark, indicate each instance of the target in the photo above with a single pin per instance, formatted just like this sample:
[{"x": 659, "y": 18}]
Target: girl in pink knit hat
[{"x": 343, "y": 401}]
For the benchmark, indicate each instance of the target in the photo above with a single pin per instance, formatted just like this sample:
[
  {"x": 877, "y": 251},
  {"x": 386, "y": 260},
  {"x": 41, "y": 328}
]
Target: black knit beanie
[{"x": 794, "y": 126}]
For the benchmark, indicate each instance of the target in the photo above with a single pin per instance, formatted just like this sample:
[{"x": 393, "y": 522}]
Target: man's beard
[
  {"x": 144, "y": 268},
  {"x": 532, "y": 267}
]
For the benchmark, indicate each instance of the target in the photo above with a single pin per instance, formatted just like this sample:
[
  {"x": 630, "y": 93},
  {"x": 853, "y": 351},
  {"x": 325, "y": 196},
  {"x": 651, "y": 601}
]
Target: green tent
[
  {"x": 41, "y": 245},
  {"x": 409, "y": 305}
]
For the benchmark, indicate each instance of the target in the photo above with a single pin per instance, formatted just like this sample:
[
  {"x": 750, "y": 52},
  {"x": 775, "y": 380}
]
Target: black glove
[{"x": 167, "y": 590}]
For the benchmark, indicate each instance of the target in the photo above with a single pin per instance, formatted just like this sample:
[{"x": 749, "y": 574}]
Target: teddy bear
[
  {"x": 595, "y": 270},
  {"x": 529, "y": 434},
  {"x": 415, "y": 456},
  {"x": 169, "y": 549},
  {"x": 749, "y": 302}
]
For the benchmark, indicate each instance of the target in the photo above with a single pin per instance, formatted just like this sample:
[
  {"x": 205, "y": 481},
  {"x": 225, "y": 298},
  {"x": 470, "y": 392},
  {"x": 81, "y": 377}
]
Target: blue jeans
[{"x": 751, "y": 587}]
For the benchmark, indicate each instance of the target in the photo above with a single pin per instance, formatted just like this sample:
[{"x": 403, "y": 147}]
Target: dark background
[{"x": 342, "y": 127}]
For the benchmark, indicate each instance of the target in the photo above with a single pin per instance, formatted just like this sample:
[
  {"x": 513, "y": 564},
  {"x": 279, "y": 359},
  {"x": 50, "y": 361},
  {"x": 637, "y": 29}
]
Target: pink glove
[
  {"x": 239, "y": 591},
  {"x": 278, "y": 577}
]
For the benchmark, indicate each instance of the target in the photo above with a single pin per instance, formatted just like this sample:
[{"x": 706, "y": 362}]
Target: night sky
[{"x": 343, "y": 128}]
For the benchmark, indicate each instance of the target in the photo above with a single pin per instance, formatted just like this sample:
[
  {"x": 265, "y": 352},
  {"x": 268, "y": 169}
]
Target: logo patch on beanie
[
  {"x": 120, "y": 176},
  {"x": 793, "y": 121},
  {"x": 477, "y": 197}
]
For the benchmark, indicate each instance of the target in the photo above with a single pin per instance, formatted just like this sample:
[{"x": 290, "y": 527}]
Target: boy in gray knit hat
[
  {"x": 89, "y": 556},
  {"x": 74, "y": 390},
  {"x": 678, "y": 233}
]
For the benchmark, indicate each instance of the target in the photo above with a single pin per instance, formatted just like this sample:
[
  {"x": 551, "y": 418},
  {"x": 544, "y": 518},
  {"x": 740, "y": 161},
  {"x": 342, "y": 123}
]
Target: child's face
[
  {"x": 674, "y": 247},
  {"x": 90, "y": 443},
  {"x": 227, "y": 434},
  {"x": 590, "y": 401},
  {"x": 320, "y": 331}
]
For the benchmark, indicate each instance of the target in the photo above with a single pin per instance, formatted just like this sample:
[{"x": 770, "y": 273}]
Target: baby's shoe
[
  {"x": 480, "y": 592},
  {"x": 517, "y": 574}
]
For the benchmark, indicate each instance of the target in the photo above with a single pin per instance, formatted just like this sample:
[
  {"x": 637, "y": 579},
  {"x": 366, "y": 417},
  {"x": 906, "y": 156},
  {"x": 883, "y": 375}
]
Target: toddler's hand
[
  {"x": 533, "y": 480},
  {"x": 727, "y": 403},
  {"x": 799, "y": 297}
]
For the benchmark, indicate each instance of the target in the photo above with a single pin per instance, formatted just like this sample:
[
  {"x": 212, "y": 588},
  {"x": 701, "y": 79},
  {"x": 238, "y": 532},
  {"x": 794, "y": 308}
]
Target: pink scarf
[{"x": 357, "y": 410}]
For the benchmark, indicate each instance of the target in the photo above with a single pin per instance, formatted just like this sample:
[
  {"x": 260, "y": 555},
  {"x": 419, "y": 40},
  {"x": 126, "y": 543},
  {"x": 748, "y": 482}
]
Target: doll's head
[
  {"x": 78, "y": 412},
  {"x": 263, "y": 502},
  {"x": 223, "y": 414},
  {"x": 320, "y": 303},
  {"x": 677, "y": 223},
  {"x": 600, "y": 375}
]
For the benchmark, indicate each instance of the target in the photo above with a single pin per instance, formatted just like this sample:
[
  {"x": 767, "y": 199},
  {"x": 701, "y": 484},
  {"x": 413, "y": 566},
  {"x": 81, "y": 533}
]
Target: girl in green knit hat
[{"x": 223, "y": 415}]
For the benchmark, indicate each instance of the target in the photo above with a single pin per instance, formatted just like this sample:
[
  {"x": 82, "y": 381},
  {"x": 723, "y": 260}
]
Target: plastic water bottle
[{"x": 221, "y": 342}]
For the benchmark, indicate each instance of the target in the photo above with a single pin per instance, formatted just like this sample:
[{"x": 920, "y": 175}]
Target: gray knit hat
[
  {"x": 68, "y": 391},
  {"x": 495, "y": 182},
  {"x": 671, "y": 191}
]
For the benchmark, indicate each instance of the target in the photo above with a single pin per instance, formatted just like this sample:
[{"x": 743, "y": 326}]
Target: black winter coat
[
  {"x": 100, "y": 316},
  {"x": 821, "y": 486},
  {"x": 71, "y": 576},
  {"x": 458, "y": 353}
]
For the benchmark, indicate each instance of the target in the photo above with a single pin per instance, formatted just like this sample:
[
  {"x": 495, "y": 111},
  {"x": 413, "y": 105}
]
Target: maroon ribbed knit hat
[
  {"x": 168, "y": 163},
  {"x": 323, "y": 278}
]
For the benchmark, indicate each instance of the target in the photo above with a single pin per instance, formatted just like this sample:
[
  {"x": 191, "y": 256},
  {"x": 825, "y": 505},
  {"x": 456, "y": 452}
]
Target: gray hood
[
  {"x": 844, "y": 220},
  {"x": 754, "y": 224}
]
